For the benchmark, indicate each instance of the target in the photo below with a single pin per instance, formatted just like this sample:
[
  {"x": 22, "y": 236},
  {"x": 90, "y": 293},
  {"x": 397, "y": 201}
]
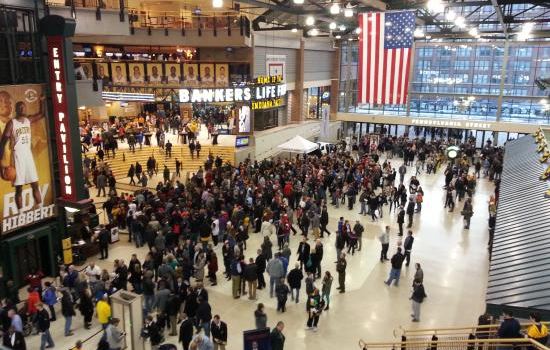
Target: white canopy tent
[{"x": 298, "y": 144}]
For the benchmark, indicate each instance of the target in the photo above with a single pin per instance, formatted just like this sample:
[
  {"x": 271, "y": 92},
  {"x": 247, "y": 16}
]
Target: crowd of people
[{"x": 183, "y": 223}]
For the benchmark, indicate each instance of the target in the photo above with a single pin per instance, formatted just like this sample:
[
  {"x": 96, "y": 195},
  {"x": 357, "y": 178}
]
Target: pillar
[
  {"x": 335, "y": 83},
  {"x": 297, "y": 100}
]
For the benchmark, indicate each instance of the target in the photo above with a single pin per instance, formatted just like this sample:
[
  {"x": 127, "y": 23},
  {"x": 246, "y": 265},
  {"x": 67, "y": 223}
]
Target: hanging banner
[
  {"x": 61, "y": 117},
  {"x": 276, "y": 65},
  {"x": 26, "y": 183}
]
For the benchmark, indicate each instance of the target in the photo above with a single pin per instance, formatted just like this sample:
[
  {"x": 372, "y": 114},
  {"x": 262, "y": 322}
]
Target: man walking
[
  {"x": 303, "y": 252},
  {"x": 408, "y": 246},
  {"x": 43, "y": 324},
  {"x": 384, "y": 239},
  {"x": 260, "y": 269},
  {"x": 295, "y": 277},
  {"x": 401, "y": 219},
  {"x": 396, "y": 264},
  {"x": 341, "y": 269},
  {"x": 276, "y": 271},
  {"x": 277, "y": 338},
  {"x": 417, "y": 298}
]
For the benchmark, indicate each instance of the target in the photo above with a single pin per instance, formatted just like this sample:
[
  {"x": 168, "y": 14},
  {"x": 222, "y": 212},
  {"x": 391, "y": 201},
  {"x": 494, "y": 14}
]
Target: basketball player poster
[{"x": 26, "y": 184}]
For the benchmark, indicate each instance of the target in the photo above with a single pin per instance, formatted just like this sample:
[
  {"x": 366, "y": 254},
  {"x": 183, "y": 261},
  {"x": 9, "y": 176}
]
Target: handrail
[
  {"x": 454, "y": 330},
  {"x": 447, "y": 343},
  {"x": 89, "y": 338}
]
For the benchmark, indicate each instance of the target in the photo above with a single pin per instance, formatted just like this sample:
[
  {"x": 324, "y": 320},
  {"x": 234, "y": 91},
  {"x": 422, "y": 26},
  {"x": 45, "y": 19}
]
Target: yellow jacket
[
  {"x": 535, "y": 332},
  {"x": 103, "y": 311}
]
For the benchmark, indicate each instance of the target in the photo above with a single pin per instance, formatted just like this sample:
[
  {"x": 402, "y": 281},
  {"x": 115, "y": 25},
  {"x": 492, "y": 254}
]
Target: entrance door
[{"x": 27, "y": 256}]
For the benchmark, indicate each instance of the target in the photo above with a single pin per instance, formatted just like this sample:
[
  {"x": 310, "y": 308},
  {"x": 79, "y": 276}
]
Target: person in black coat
[
  {"x": 86, "y": 308},
  {"x": 204, "y": 316},
  {"x": 294, "y": 278},
  {"x": 14, "y": 340},
  {"x": 186, "y": 332},
  {"x": 401, "y": 219},
  {"x": 151, "y": 330},
  {"x": 277, "y": 338},
  {"x": 219, "y": 332},
  {"x": 303, "y": 252},
  {"x": 104, "y": 238},
  {"x": 410, "y": 213},
  {"x": 67, "y": 310},
  {"x": 323, "y": 220},
  {"x": 260, "y": 266},
  {"x": 407, "y": 245}
]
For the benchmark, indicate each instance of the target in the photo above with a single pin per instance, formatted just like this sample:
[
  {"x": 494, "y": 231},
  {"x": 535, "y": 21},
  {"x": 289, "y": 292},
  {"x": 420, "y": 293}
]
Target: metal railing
[
  {"x": 184, "y": 20},
  {"x": 481, "y": 331},
  {"x": 456, "y": 344},
  {"x": 94, "y": 4}
]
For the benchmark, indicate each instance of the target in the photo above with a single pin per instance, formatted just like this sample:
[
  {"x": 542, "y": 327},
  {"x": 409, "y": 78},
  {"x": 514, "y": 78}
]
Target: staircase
[{"x": 124, "y": 157}]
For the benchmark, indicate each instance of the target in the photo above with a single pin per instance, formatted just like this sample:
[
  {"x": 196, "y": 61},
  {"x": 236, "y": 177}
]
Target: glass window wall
[{"x": 464, "y": 81}]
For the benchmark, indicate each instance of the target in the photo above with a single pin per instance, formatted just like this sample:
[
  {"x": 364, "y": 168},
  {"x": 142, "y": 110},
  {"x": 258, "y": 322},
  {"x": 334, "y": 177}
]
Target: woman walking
[
  {"x": 326, "y": 288},
  {"x": 467, "y": 213}
]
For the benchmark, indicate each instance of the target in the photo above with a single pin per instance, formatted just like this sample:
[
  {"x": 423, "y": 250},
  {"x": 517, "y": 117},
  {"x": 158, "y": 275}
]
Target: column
[
  {"x": 297, "y": 101},
  {"x": 335, "y": 84}
]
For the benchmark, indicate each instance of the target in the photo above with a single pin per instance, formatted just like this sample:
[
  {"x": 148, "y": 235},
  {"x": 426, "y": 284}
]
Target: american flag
[{"x": 385, "y": 50}]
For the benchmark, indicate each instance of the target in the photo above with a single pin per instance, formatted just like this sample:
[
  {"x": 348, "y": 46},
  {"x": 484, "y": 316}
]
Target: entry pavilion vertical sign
[{"x": 72, "y": 194}]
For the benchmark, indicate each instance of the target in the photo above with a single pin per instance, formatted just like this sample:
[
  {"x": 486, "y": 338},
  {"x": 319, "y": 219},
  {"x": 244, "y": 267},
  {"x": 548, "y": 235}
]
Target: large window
[{"x": 446, "y": 77}]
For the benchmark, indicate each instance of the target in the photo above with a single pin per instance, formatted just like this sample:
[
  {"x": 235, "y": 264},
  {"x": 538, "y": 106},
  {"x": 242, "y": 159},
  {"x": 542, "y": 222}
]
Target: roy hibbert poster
[{"x": 25, "y": 168}]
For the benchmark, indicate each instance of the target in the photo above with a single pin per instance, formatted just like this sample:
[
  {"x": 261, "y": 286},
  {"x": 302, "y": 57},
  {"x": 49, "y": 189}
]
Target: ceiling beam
[
  {"x": 375, "y": 4},
  {"x": 406, "y": 5},
  {"x": 500, "y": 17}
]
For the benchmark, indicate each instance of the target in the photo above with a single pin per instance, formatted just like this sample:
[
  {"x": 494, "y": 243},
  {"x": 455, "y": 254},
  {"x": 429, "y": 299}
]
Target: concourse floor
[{"x": 455, "y": 263}]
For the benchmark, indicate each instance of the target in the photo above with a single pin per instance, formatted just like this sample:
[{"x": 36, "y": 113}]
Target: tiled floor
[{"x": 454, "y": 260}]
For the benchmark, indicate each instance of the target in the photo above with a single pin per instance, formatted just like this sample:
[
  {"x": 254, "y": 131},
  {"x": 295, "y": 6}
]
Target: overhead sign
[
  {"x": 268, "y": 92},
  {"x": 466, "y": 124},
  {"x": 26, "y": 183},
  {"x": 243, "y": 94}
]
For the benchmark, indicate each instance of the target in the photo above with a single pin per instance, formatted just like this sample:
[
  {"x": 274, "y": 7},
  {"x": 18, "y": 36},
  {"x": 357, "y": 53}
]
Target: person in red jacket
[{"x": 32, "y": 301}]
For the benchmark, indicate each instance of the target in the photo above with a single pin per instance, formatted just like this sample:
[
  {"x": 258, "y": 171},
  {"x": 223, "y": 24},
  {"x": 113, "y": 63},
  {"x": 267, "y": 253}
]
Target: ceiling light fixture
[
  {"x": 342, "y": 28},
  {"x": 335, "y": 9},
  {"x": 338, "y": 37},
  {"x": 418, "y": 33},
  {"x": 314, "y": 32},
  {"x": 435, "y": 6},
  {"x": 348, "y": 11},
  {"x": 217, "y": 3},
  {"x": 332, "y": 25},
  {"x": 450, "y": 15},
  {"x": 473, "y": 32},
  {"x": 298, "y": 2},
  {"x": 294, "y": 30},
  {"x": 310, "y": 20},
  {"x": 460, "y": 22},
  {"x": 525, "y": 32},
  {"x": 358, "y": 30}
]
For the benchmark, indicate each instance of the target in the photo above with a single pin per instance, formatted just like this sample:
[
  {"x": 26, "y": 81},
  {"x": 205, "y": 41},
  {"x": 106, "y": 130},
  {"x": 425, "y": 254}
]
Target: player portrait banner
[
  {"x": 61, "y": 117},
  {"x": 26, "y": 183},
  {"x": 275, "y": 65},
  {"x": 385, "y": 51}
]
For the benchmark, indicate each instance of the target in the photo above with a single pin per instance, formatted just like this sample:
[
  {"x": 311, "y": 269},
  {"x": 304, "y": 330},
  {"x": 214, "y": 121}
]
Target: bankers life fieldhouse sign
[{"x": 266, "y": 92}]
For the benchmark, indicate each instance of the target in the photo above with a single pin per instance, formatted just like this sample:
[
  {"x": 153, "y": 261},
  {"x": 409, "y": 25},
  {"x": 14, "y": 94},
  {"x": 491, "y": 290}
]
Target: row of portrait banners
[{"x": 173, "y": 74}]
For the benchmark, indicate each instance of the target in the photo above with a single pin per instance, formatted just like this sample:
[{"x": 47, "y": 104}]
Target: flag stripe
[
  {"x": 395, "y": 74},
  {"x": 407, "y": 70},
  {"x": 372, "y": 52},
  {"x": 391, "y": 74},
  {"x": 367, "y": 48},
  {"x": 361, "y": 77},
  {"x": 381, "y": 62}
]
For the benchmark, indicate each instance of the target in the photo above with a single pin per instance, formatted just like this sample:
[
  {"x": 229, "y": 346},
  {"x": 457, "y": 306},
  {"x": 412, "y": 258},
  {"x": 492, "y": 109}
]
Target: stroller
[{"x": 28, "y": 325}]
